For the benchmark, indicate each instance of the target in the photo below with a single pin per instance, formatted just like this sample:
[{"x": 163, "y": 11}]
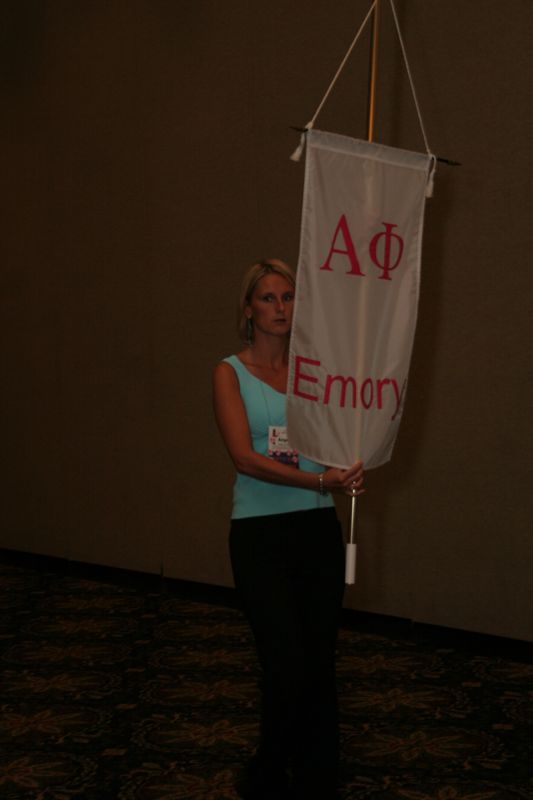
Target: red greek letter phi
[
  {"x": 349, "y": 249},
  {"x": 386, "y": 265}
]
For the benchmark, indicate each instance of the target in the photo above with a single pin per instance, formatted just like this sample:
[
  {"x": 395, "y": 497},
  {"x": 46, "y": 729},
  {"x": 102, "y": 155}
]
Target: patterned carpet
[{"x": 115, "y": 690}]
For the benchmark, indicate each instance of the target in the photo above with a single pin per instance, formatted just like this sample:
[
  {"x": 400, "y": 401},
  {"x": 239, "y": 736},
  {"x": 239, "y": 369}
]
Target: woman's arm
[{"x": 230, "y": 414}]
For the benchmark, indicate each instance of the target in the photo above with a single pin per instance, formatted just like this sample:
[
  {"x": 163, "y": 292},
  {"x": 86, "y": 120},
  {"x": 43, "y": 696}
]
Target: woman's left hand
[{"x": 348, "y": 481}]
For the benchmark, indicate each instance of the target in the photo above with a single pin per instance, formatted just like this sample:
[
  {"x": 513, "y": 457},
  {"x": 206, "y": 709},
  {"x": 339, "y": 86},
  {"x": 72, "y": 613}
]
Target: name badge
[{"x": 279, "y": 447}]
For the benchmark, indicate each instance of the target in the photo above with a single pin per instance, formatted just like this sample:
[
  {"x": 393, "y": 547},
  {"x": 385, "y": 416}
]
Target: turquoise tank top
[{"x": 251, "y": 497}]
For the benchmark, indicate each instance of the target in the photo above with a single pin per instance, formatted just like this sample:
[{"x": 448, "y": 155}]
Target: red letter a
[{"x": 348, "y": 251}]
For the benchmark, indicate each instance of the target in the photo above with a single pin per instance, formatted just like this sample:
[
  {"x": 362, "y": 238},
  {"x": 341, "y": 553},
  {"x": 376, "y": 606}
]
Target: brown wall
[{"x": 145, "y": 163}]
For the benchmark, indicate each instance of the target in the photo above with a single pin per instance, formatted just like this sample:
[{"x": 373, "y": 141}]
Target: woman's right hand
[{"x": 348, "y": 481}]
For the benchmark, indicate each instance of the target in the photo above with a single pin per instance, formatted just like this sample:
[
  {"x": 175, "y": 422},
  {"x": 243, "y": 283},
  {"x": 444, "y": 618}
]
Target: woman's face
[{"x": 271, "y": 305}]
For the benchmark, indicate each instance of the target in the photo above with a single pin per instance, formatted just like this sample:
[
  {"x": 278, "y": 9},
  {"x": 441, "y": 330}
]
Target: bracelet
[{"x": 321, "y": 488}]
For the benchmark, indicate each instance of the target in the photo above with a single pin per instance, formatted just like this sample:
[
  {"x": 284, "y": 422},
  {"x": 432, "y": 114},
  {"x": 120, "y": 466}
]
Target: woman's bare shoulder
[
  {"x": 225, "y": 367},
  {"x": 223, "y": 371},
  {"x": 226, "y": 386}
]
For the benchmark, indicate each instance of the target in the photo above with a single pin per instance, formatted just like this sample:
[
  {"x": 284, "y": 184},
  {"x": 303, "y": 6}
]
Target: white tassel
[
  {"x": 431, "y": 177},
  {"x": 296, "y": 156}
]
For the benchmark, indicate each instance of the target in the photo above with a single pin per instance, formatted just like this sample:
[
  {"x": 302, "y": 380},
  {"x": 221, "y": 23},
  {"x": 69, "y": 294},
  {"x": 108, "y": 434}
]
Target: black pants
[{"x": 289, "y": 572}]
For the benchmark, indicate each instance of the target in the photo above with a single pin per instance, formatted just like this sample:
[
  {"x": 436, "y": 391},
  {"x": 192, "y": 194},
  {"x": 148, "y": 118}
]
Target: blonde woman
[{"x": 286, "y": 549}]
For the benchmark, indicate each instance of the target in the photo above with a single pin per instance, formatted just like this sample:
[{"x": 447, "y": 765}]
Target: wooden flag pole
[{"x": 373, "y": 71}]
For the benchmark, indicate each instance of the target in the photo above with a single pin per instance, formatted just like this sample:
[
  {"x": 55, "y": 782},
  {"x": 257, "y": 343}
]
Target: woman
[{"x": 286, "y": 549}]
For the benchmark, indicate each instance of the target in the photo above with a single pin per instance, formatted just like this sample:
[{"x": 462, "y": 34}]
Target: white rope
[
  {"x": 433, "y": 166},
  {"x": 393, "y": 8},
  {"x": 298, "y": 152},
  {"x": 341, "y": 67}
]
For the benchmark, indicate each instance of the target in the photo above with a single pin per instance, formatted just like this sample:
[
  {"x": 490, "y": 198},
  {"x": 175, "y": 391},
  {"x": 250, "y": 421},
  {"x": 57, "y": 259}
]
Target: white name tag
[{"x": 279, "y": 447}]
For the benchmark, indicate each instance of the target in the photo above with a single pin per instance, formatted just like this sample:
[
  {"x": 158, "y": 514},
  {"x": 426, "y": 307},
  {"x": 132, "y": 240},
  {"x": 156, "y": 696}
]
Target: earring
[{"x": 249, "y": 331}]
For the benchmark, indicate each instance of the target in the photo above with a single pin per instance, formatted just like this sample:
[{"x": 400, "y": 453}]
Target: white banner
[{"x": 356, "y": 298}]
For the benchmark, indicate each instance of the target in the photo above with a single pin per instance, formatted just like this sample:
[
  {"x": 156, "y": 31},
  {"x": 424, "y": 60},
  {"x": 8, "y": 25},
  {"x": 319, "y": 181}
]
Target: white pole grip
[{"x": 349, "y": 576}]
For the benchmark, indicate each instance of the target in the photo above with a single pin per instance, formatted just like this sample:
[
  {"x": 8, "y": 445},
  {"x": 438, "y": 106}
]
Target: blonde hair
[{"x": 251, "y": 278}]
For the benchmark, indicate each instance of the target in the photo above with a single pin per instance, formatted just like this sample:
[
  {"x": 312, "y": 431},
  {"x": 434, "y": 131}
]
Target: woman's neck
[{"x": 272, "y": 353}]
